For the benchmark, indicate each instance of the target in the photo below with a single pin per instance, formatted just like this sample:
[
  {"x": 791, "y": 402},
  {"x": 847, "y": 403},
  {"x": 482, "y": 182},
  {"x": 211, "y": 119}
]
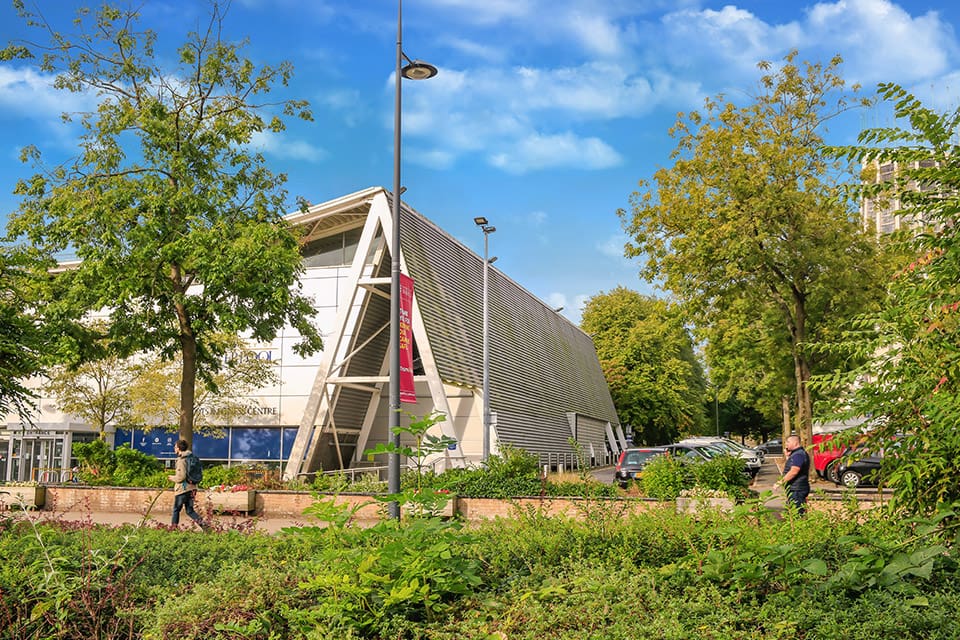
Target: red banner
[{"x": 407, "y": 391}]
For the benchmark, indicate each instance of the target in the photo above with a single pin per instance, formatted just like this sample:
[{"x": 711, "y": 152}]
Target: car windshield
[{"x": 639, "y": 457}]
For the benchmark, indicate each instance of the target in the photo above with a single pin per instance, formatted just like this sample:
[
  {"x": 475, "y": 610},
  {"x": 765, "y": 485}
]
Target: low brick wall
[{"x": 290, "y": 504}]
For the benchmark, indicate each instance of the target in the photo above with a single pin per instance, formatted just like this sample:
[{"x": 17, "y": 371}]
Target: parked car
[
  {"x": 859, "y": 468},
  {"x": 631, "y": 462},
  {"x": 772, "y": 447},
  {"x": 858, "y": 473},
  {"x": 752, "y": 461},
  {"x": 694, "y": 450}
]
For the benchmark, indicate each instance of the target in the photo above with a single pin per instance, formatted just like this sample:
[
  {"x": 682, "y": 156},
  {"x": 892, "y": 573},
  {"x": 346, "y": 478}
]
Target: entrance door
[{"x": 36, "y": 458}]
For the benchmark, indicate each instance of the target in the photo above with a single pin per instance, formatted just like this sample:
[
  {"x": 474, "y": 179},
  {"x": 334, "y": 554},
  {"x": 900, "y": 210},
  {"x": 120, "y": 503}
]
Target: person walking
[
  {"x": 184, "y": 492},
  {"x": 796, "y": 480}
]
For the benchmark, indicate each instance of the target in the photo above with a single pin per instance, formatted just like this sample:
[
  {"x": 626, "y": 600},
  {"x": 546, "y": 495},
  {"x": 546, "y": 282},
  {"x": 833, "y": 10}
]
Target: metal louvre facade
[
  {"x": 542, "y": 367},
  {"x": 545, "y": 378}
]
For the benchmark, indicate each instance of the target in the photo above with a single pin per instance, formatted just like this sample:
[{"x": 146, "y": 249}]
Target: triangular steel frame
[{"x": 344, "y": 343}]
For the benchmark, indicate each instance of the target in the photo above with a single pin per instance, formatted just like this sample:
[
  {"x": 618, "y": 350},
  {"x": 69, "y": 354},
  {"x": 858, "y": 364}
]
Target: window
[{"x": 332, "y": 251}]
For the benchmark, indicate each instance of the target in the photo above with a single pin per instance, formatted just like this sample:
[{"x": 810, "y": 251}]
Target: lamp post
[
  {"x": 487, "y": 230},
  {"x": 413, "y": 70}
]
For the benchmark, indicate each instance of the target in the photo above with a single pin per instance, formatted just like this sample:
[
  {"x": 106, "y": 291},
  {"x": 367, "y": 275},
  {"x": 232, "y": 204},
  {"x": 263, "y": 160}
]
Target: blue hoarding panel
[{"x": 160, "y": 443}]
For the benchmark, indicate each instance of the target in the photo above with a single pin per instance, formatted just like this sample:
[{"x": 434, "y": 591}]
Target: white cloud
[
  {"x": 33, "y": 95},
  {"x": 613, "y": 246},
  {"x": 556, "y": 300},
  {"x": 280, "y": 147},
  {"x": 537, "y": 218},
  {"x": 878, "y": 38},
  {"x": 565, "y": 150}
]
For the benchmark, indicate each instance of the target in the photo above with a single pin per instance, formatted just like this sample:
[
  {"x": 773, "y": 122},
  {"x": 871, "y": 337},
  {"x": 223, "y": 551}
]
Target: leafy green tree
[
  {"x": 746, "y": 232},
  {"x": 175, "y": 220},
  {"x": 648, "y": 359},
  {"x": 910, "y": 382},
  {"x": 96, "y": 391},
  {"x": 22, "y": 336},
  {"x": 222, "y": 398},
  {"x": 142, "y": 390}
]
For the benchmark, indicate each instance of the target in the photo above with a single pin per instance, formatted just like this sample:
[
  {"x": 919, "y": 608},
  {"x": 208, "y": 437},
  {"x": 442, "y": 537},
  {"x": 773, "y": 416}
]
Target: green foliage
[
  {"x": 23, "y": 338},
  {"x": 664, "y": 477},
  {"x": 165, "y": 194},
  {"x": 745, "y": 231},
  {"x": 425, "y": 444},
  {"x": 415, "y": 572},
  {"x": 910, "y": 382},
  {"x": 722, "y": 473},
  {"x": 647, "y": 355},
  {"x": 603, "y": 574},
  {"x": 124, "y": 467}
]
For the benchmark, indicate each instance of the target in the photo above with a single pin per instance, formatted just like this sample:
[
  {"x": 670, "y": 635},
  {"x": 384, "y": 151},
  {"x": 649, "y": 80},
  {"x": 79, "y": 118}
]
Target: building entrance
[{"x": 32, "y": 457}]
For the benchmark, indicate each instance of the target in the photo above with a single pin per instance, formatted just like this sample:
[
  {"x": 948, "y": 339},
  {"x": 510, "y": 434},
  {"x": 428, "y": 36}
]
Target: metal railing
[{"x": 54, "y": 475}]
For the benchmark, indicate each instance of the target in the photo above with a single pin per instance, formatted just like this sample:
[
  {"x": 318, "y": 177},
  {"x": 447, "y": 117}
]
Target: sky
[{"x": 543, "y": 117}]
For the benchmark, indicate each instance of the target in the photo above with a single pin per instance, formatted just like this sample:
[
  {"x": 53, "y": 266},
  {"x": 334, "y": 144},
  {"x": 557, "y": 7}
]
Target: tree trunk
[
  {"x": 787, "y": 430},
  {"x": 188, "y": 386}
]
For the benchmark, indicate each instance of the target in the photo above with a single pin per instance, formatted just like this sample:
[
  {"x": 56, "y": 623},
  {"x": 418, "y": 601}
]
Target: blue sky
[{"x": 543, "y": 117}]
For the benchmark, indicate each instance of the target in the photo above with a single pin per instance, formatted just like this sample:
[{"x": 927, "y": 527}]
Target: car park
[
  {"x": 631, "y": 462},
  {"x": 859, "y": 467}
]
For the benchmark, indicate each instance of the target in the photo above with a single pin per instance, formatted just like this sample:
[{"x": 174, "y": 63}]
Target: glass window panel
[
  {"x": 211, "y": 448},
  {"x": 250, "y": 443},
  {"x": 289, "y": 435}
]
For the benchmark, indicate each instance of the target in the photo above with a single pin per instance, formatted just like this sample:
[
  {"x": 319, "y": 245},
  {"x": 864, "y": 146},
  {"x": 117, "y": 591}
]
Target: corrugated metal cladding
[
  {"x": 542, "y": 367},
  {"x": 591, "y": 433}
]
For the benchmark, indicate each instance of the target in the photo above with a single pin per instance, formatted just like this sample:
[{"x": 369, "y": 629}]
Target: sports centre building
[{"x": 547, "y": 390}]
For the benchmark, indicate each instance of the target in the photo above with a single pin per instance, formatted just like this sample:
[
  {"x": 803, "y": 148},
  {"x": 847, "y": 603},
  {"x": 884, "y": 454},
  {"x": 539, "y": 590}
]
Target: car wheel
[
  {"x": 850, "y": 479},
  {"x": 831, "y": 472}
]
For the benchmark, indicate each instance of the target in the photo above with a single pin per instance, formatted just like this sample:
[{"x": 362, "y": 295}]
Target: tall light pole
[
  {"x": 413, "y": 70},
  {"x": 487, "y": 230}
]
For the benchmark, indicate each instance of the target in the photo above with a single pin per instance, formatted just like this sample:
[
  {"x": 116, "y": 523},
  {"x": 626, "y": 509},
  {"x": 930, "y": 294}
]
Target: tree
[
  {"x": 648, "y": 359},
  {"x": 96, "y": 391},
  {"x": 175, "y": 220},
  {"x": 746, "y": 232},
  {"x": 23, "y": 340},
  {"x": 223, "y": 399},
  {"x": 910, "y": 380}
]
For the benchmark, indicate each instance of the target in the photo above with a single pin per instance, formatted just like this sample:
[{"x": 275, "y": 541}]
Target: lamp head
[
  {"x": 480, "y": 221},
  {"x": 418, "y": 70}
]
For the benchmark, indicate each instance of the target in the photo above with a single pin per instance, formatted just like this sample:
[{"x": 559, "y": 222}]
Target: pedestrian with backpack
[{"x": 187, "y": 475}]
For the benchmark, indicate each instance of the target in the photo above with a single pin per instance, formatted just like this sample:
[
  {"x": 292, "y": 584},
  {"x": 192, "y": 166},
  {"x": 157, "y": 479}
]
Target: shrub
[
  {"x": 723, "y": 473},
  {"x": 664, "y": 477}
]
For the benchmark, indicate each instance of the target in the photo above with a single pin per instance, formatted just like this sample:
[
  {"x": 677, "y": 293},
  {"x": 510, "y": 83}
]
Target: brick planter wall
[{"x": 290, "y": 504}]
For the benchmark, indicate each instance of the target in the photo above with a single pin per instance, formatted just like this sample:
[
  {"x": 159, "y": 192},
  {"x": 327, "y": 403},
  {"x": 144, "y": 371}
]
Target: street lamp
[
  {"x": 413, "y": 70},
  {"x": 487, "y": 230}
]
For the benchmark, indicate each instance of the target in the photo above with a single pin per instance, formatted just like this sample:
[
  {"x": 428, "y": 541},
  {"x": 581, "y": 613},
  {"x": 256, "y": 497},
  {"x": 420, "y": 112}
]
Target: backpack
[{"x": 194, "y": 469}]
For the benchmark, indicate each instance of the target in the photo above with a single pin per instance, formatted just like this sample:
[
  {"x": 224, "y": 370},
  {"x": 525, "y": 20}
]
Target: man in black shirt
[{"x": 796, "y": 471}]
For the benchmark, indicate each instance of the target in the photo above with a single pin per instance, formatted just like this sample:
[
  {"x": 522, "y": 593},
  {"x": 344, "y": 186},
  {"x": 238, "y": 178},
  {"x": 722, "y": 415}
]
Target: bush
[
  {"x": 723, "y": 473},
  {"x": 664, "y": 477},
  {"x": 124, "y": 467}
]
